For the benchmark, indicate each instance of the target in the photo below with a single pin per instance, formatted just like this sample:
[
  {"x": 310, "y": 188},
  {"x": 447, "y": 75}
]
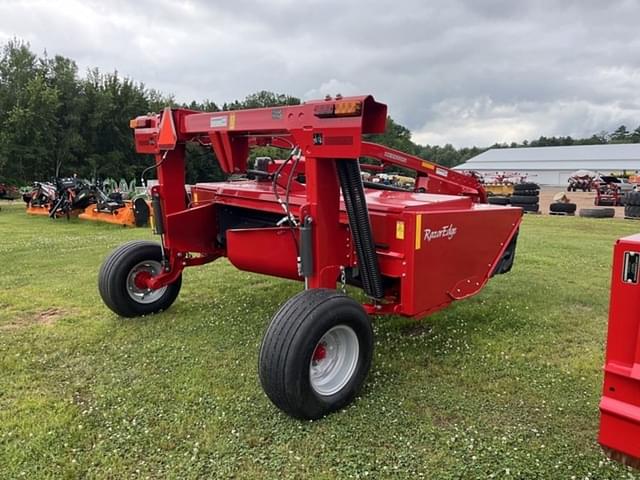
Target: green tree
[
  {"x": 27, "y": 136},
  {"x": 395, "y": 136},
  {"x": 620, "y": 135},
  {"x": 262, "y": 99},
  {"x": 17, "y": 69},
  {"x": 109, "y": 103},
  {"x": 62, "y": 75},
  {"x": 52, "y": 121}
]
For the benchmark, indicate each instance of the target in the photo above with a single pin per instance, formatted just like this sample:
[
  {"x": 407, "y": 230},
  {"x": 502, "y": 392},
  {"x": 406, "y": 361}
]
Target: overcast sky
[{"x": 466, "y": 72}]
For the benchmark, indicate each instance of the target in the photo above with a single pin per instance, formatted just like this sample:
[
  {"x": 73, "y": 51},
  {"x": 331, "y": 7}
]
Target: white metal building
[{"x": 554, "y": 165}]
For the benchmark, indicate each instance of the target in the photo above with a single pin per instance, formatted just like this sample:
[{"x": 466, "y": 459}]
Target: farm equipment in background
[
  {"x": 110, "y": 185},
  {"x": 499, "y": 189},
  {"x": 610, "y": 191},
  {"x": 9, "y": 192},
  {"x": 502, "y": 183},
  {"x": 41, "y": 198},
  {"x": 634, "y": 179},
  {"x": 310, "y": 218},
  {"x": 389, "y": 179},
  {"x": 517, "y": 192},
  {"x": 114, "y": 209},
  {"x": 72, "y": 196},
  {"x": 61, "y": 197},
  {"x": 581, "y": 180},
  {"x": 430, "y": 177},
  {"x": 620, "y": 403},
  {"x": 120, "y": 203}
]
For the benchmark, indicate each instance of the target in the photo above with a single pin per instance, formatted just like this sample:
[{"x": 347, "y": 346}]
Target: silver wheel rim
[
  {"x": 334, "y": 360},
  {"x": 144, "y": 295}
]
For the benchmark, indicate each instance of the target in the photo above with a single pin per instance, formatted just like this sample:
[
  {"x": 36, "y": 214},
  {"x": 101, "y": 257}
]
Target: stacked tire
[
  {"x": 526, "y": 196},
  {"x": 632, "y": 205},
  {"x": 563, "y": 208},
  {"x": 499, "y": 200}
]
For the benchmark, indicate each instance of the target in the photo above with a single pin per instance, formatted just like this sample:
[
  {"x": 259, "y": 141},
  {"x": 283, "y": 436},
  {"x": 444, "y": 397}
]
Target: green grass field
[{"x": 503, "y": 385}]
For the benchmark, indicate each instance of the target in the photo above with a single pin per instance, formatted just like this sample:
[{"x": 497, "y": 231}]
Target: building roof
[{"x": 575, "y": 157}]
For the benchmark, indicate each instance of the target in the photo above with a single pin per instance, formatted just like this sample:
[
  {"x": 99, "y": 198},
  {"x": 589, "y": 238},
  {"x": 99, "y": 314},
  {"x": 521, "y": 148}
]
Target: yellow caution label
[
  {"x": 418, "y": 231},
  {"x": 232, "y": 121},
  {"x": 400, "y": 230},
  {"x": 428, "y": 165}
]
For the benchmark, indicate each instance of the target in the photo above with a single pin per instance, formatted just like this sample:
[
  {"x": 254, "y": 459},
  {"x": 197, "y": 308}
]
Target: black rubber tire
[
  {"x": 632, "y": 211},
  {"x": 527, "y": 193},
  {"x": 523, "y": 200},
  {"x": 141, "y": 212},
  {"x": 112, "y": 280},
  {"x": 632, "y": 199},
  {"x": 518, "y": 187},
  {"x": 289, "y": 344},
  {"x": 597, "y": 212},
  {"x": 499, "y": 200},
  {"x": 527, "y": 207},
  {"x": 563, "y": 207},
  {"x": 506, "y": 262}
]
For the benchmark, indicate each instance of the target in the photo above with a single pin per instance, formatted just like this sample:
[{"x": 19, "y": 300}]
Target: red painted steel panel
[
  {"x": 193, "y": 230},
  {"x": 271, "y": 251},
  {"x": 620, "y": 403},
  {"x": 451, "y": 254}
]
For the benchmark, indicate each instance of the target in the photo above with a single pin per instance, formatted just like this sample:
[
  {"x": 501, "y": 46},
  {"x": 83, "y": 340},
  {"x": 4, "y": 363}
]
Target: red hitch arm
[{"x": 433, "y": 178}]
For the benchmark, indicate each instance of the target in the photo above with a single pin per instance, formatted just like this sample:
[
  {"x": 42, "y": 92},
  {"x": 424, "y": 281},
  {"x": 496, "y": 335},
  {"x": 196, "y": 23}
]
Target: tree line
[{"x": 55, "y": 122}]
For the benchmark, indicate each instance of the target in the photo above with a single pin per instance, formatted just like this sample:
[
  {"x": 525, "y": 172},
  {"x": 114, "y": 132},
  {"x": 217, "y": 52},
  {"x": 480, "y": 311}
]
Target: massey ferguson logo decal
[{"x": 448, "y": 231}]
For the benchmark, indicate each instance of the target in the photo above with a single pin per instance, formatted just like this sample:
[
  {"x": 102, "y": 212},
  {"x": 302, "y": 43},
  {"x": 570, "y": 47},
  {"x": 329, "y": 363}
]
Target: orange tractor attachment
[
  {"x": 74, "y": 197},
  {"x": 42, "y": 210},
  {"x": 128, "y": 213},
  {"x": 66, "y": 197}
]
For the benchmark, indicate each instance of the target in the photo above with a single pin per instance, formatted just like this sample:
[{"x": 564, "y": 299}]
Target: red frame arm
[
  {"x": 324, "y": 130},
  {"x": 432, "y": 177}
]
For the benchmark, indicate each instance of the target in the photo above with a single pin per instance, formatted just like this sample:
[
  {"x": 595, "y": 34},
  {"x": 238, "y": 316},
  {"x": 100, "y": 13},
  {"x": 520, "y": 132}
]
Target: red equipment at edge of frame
[{"x": 620, "y": 402}]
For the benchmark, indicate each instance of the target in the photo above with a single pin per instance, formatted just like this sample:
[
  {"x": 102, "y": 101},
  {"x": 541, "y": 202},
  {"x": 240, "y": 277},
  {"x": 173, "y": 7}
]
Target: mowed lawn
[{"x": 503, "y": 385}]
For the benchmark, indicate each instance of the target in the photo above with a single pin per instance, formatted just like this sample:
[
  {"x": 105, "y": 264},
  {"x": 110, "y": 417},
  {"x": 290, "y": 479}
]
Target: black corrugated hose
[{"x": 356, "y": 205}]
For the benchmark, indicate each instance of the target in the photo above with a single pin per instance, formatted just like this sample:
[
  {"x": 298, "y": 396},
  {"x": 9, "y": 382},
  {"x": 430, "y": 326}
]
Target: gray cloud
[{"x": 463, "y": 72}]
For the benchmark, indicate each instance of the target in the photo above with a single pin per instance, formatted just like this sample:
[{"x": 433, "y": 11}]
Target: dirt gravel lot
[{"x": 581, "y": 199}]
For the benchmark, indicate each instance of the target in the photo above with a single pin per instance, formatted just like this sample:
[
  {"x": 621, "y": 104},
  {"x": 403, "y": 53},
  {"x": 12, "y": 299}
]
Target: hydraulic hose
[{"x": 356, "y": 205}]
